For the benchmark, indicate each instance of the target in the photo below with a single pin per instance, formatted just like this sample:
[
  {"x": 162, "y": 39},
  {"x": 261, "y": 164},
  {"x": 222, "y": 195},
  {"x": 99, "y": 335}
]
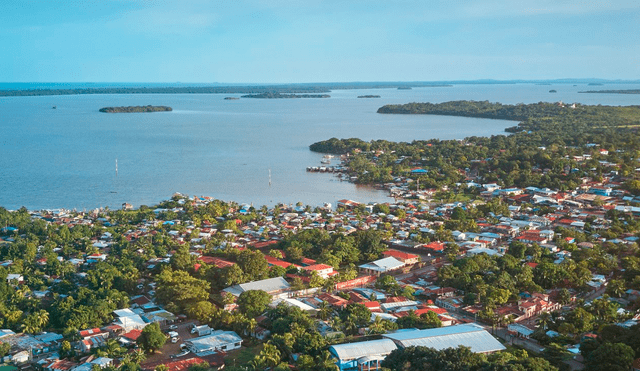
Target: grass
[{"x": 242, "y": 356}]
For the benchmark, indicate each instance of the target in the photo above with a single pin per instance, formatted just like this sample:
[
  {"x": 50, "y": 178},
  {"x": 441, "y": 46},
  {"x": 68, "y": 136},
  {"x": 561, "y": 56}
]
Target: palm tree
[
  {"x": 377, "y": 326},
  {"x": 43, "y": 318},
  {"x": 139, "y": 356},
  {"x": 543, "y": 319},
  {"x": 126, "y": 359},
  {"x": 326, "y": 362},
  {"x": 324, "y": 309}
]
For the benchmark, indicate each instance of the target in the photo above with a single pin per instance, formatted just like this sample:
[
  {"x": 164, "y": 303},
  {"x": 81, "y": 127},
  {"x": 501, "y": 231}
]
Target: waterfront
[{"x": 220, "y": 148}]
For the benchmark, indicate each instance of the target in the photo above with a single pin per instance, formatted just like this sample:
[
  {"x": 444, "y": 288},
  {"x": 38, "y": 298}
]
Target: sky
[{"x": 297, "y": 41}]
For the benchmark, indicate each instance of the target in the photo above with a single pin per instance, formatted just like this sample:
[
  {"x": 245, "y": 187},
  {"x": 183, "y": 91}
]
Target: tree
[
  {"x": 324, "y": 310},
  {"x": 151, "y": 338},
  {"x": 253, "y": 302},
  {"x": 269, "y": 357},
  {"x": 203, "y": 311},
  {"x": 423, "y": 358},
  {"x": 611, "y": 356},
  {"x": 4, "y": 349},
  {"x": 253, "y": 264},
  {"x": 180, "y": 288}
]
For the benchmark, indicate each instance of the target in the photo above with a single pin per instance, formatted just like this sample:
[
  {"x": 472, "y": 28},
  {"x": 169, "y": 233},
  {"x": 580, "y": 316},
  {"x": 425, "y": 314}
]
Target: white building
[{"x": 219, "y": 340}]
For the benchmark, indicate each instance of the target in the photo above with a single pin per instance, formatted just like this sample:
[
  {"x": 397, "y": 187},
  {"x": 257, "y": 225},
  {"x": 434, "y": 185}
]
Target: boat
[
  {"x": 54, "y": 107},
  {"x": 325, "y": 161}
]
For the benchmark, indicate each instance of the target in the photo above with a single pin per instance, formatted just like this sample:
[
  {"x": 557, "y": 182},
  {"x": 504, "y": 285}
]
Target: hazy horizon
[{"x": 283, "y": 42}]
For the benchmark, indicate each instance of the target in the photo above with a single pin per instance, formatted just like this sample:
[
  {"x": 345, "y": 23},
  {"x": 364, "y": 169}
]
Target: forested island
[
  {"x": 623, "y": 91},
  {"x": 135, "y": 109},
  {"x": 166, "y": 90},
  {"x": 272, "y": 95},
  {"x": 368, "y": 96},
  {"x": 234, "y": 89},
  {"x": 538, "y": 153}
]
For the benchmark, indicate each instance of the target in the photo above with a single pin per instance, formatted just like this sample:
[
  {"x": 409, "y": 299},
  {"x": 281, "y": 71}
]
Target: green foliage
[
  {"x": 610, "y": 356},
  {"x": 422, "y": 358},
  {"x": 253, "y": 302},
  {"x": 180, "y": 289},
  {"x": 151, "y": 338}
]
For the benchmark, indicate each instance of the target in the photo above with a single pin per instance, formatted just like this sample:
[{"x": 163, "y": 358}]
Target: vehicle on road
[{"x": 180, "y": 354}]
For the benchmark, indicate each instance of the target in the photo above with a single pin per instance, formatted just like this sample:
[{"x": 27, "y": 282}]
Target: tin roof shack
[
  {"x": 218, "y": 341},
  {"x": 272, "y": 286},
  {"x": 25, "y": 348},
  {"x": 128, "y": 320},
  {"x": 162, "y": 317},
  {"x": 355, "y": 356},
  {"x": 381, "y": 266},
  {"x": 468, "y": 335}
]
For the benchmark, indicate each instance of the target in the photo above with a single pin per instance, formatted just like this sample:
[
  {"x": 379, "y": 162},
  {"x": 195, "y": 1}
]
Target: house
[
  {"x": 272, "y": 286},
  {"x": 161, "y": 316},
  {"x": 325, "y": 271},
  {"x": 365, "y": 355},
  {"x": 404, "y": 257},
  {"x": 468, "y": 335},
  {"x": 214, "y": 362},
  {"x": 217, "y": 341},
  {"x": 381, "y": 266},
  {"x": 128, "y": 320},
  {"x": 13, "y": 277}
]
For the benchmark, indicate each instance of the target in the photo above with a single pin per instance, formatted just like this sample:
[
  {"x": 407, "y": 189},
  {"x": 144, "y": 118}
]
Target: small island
[
  {"x": 135, "y": 109},
  {"x": 368, "y": 96},
  {"x": 627, "y": 91},
  {"x": 404, "y": 87},
  {"x": 271, "y": 95},
  {"x": 553, "y": 91},
  {"x": 231, "y": 98}
]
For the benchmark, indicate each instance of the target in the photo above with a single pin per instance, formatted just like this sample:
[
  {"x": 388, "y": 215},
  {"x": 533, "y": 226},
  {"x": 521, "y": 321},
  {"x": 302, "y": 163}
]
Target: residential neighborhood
[{"x": 226, "y": 284}]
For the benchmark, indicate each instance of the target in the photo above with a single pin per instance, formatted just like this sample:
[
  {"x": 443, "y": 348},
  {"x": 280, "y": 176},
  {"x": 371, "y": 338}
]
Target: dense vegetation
[
  {"x": 538, "y": 153},
  {"x": 287, "y": 88},
  {"x": 624, "y": 91},
  {"x": 166, "y": 90},
  {"x": 276, "y": 95},
  {"x": 134, "y": 109}
]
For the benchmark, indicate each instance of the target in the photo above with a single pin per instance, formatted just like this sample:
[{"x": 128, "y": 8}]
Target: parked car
[
  {"x": 173, "y": 327},
  {"x": 180, "y": 354},
  {"x": 174, "y": 339}
]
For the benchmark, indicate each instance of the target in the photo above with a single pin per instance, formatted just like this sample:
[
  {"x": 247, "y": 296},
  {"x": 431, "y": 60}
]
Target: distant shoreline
[
  {"x": 269, "y": 95},
  {"x": 135, "y": 109},
  {"x": 319, "y": 88},
  {"x": 627, "y": 91}
]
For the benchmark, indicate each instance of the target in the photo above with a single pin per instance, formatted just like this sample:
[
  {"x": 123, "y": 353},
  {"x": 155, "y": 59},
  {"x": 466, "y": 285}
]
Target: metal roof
[
  {"x": 383, "y": 265},
  {"x": 351, "y": 351},
  {"x": 269, "y": 285},
  {"x": 468, "y": 335},
  {"x": 213, "y": 342}
]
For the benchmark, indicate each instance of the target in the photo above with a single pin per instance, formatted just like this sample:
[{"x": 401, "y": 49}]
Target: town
[{"x": 198, "y": 282}]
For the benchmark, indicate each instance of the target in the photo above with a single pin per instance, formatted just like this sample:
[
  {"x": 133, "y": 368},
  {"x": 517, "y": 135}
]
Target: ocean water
[{"x": 66, "y": 157}]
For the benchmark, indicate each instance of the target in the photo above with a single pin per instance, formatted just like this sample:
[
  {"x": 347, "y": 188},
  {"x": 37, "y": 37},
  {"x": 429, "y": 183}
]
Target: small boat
[
  {"x": 54, "y": 107},
  {"x": 325, "y": 161}
]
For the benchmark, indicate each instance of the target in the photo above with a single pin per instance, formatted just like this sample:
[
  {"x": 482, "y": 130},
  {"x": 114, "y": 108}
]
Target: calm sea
[{"x": 66, "y": 157}]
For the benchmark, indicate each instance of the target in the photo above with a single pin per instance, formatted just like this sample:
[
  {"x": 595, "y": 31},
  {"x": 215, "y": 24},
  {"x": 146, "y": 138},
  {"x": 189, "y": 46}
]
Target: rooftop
[{"x": 469, "y": 335}]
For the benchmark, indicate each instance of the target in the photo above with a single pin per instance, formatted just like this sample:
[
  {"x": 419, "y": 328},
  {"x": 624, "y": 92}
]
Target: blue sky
[{"x": 291, "y": 41}]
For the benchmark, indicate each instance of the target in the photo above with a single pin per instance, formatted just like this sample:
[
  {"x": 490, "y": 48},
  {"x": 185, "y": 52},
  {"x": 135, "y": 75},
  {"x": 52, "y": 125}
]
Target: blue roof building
[
  {"x": 468, "y": 335},
  {"x": 354, "y": 356}
]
